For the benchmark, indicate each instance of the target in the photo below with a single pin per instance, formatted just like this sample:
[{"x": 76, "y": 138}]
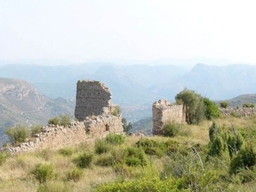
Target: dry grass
[{"x": 16, "y": 171}]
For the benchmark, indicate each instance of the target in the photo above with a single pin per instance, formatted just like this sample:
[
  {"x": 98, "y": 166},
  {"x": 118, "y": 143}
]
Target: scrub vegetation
[{"x": 214, "y": 155}]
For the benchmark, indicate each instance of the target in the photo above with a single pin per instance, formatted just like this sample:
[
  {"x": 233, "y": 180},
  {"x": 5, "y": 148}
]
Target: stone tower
[
  {"x": 92, "y": 98},
  {"x": 165, "y": 112}
]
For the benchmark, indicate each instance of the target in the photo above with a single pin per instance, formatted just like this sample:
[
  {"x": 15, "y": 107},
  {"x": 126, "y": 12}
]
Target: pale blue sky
[{"x": 84, "y": 30}]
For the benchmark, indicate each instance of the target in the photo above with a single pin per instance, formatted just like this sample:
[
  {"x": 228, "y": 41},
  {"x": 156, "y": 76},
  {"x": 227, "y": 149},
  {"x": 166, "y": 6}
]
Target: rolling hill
[{"x": 20, "y": 103}]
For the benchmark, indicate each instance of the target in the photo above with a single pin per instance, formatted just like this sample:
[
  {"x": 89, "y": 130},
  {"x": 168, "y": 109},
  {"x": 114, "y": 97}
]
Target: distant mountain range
[{"x": 136, "y": 87}]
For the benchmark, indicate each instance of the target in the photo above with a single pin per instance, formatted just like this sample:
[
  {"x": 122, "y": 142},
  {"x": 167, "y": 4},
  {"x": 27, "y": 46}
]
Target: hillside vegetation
[{"x": 217, "y": 156}]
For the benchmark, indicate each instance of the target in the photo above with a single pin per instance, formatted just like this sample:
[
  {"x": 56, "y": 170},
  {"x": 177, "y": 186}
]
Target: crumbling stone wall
[
  {"x": 56, "y": 137},
  {"x": 240, "y": 111},
  {"x": 92, "y": 98},
  {"x": 165, "y": 112}
]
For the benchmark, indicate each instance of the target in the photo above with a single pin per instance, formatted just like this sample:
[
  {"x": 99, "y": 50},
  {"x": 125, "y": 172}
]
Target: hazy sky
[{"x": 83, "y": 30}]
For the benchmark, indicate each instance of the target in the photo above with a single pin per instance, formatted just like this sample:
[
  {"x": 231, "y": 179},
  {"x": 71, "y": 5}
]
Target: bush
[
  {"x": 116, "y": 110},
  {"x": 3, "y": 157},
  {"x": 152, "y": 147},
  {"x": 84, "y": 160},
  {"x": 36, "y": 129},
  {"x": 101, "y": 146},
  {"x": 65, "y": 120},
  {"x": 66, "y": 151},
  {"x": 43, "y": 172},
  {"x": 135, "y": 157},
  {"x": 54, "y": 121},
  {"x": 171, "y": 130},
  {"x": 75, "y": 174},
  {"x": 224, "y": 104},
  {"x": 211, "y": 109},
  {"x": 234, "y": 114},
  {"x": 246, "y": 158},
  {"x": 60, "y": 120},
  {"x": 115, "y": 139},
  {"x": 105, "y": 160},
  {"x": 248, "y": 105},
  {"x": 150, "y": 183},
  {"x": 18, "y": 134}
]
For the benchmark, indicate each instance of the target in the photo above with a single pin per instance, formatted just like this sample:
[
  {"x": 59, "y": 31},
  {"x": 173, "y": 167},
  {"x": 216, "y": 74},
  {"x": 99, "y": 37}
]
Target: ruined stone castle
[
  {"x": 164, "y": 112},
  {"x": 94, "y": 112}
]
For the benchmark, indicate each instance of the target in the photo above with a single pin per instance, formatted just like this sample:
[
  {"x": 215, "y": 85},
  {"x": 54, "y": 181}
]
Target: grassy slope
[{"x": 16, "y": 172}]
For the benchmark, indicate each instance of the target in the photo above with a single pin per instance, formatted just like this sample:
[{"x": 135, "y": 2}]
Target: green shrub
[
  {"x": 171, "y": 130},
  {"x": 66, "y": 151},
  {"x": 115, "y": 139},
  {"x": 135, "y": 157},
  {"x": 246, "y": 158},
  {"x": 126, "y": 127},
  {"x": 248, "y": 105},
  {"x": 75, "y": 174},
  {"x": 18, "y": 134},
  {"x": 84, "y": 160},
  {"x": 105, "y": 160},
  {"x": 119, "y": 155},
  {"x": 152, "y": 147},
  {"x": 150, "y": 183},
  {"x": 101, "y": 146},
  {"x": 36, "y": 129},
  {"x": 235, "y": 114},
  {"x": 219, "y": 148},
  {"x": 3, "y": 157},
  {"x": 224, "y": 104},
  {"x": 213, "y": 131},
  {"x": 54, "y": 121},
  {"x": 65, "y": 120},
  {"x": 54, "y": 186},
  {"x": 43, "y": 172},
  {"x": 116, "y": 110},
  {"x": 211, "y": 109},
  {"x": 235, "y": 143}
]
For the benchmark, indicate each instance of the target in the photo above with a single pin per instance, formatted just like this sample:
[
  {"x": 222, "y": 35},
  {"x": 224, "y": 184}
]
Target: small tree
[
  {"x": 211, "y": 109},
  {"x": 126, "y": 127},
  {"x": 194, "y": 106},
  {"x": 224, "y": 104}
]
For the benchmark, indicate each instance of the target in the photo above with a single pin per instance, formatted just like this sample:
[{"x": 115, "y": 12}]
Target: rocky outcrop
[{"x": 165, "y": 112}]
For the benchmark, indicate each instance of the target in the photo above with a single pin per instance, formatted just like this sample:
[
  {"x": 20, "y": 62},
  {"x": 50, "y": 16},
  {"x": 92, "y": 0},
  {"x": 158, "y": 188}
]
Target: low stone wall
[
  {"x": 56, "y": 137},
  {"x": 96, "y": 126},
  {"x": 240, "y": 111},
  {"x": 164, "y": 112}
]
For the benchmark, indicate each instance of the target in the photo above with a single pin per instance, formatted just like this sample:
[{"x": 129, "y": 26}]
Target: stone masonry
[
  {"x": 238, "y": 111},
  {"x": 165, "y": 112},
  {"x": 92, "y": 98}
]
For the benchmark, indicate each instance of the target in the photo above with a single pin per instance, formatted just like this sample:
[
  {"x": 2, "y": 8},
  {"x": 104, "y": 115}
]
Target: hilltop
[{"x": 20, "y": 103}]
